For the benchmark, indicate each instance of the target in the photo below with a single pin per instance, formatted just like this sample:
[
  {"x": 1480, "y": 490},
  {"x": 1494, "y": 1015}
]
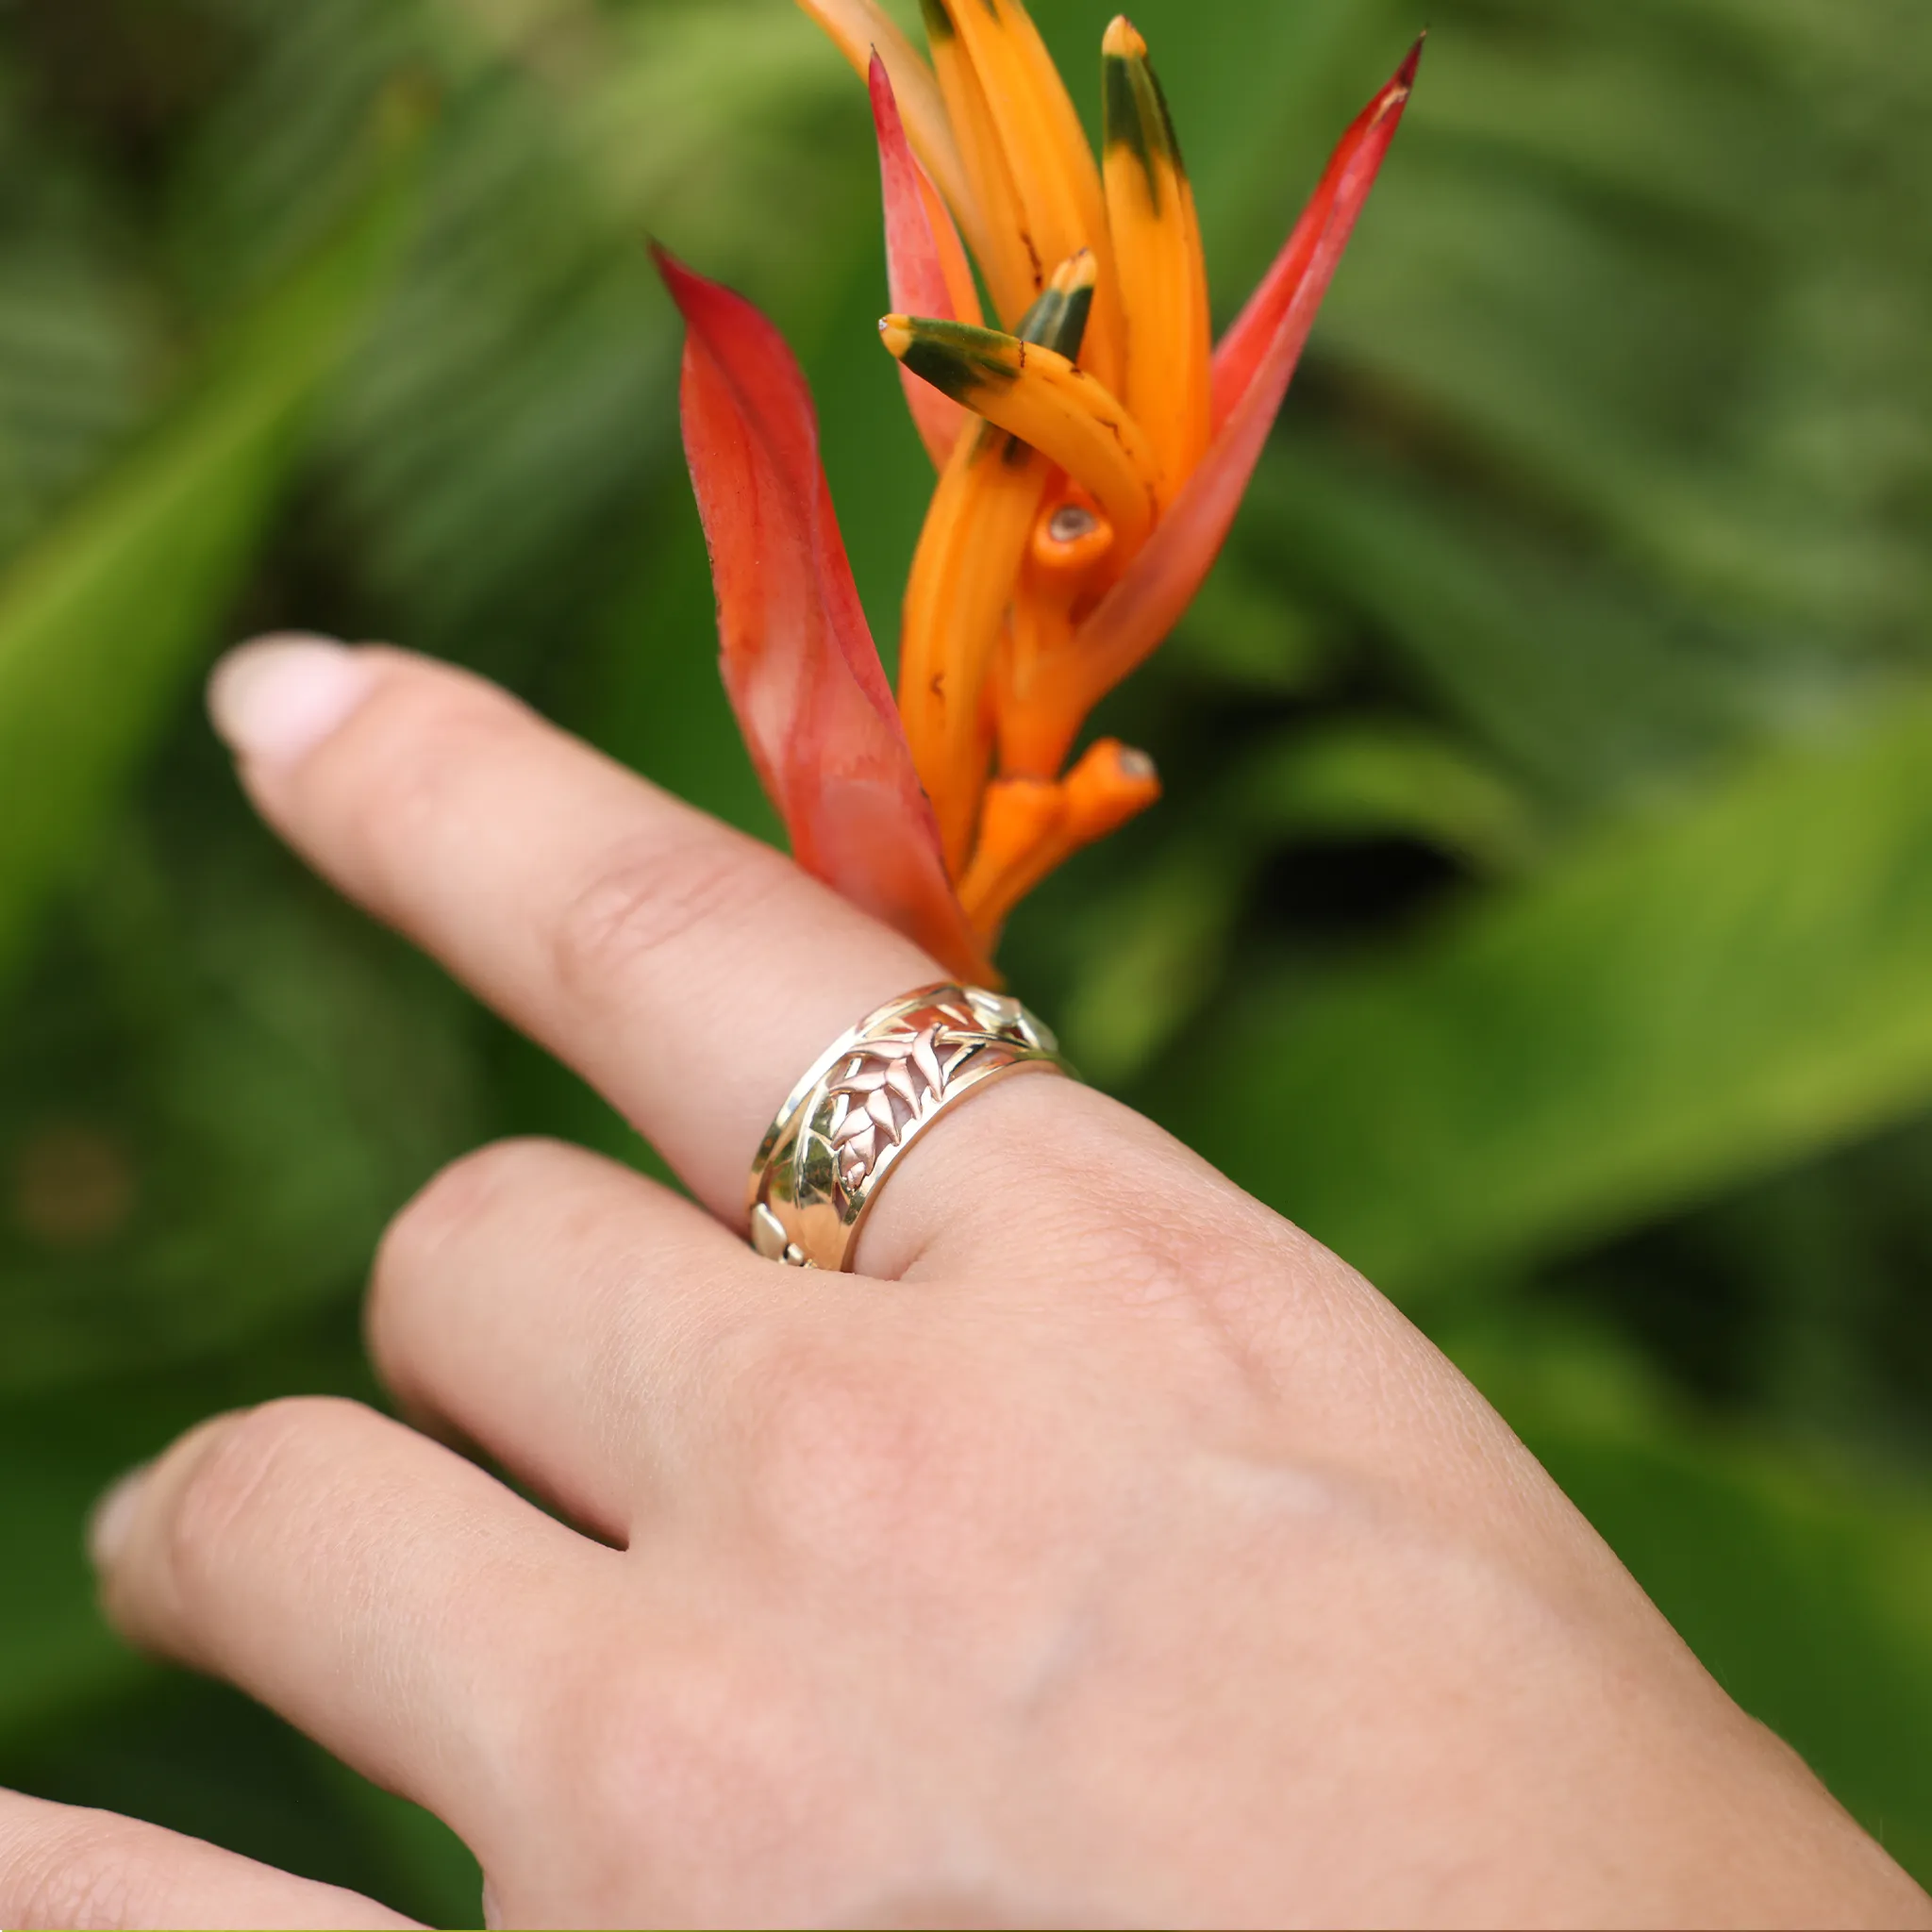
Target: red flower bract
[{"x": 1094, "y": 451}]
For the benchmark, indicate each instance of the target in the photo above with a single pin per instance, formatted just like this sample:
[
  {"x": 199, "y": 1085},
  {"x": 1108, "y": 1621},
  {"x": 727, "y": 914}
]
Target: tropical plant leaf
[
  {"x": 1582, "y": 682},
  {"x": 1387, "y": 779},
  {"x": 232, "y": 1082},
  {"x": 1158, "y": 949},
  {"x": 54, "y": 1651},
  {"x": 1692, "y": 1001},
  {"x": 499, "y": 438},
  {"x": 1799, "y": 1580},
  {"x": 60, "y": 1453},
  {"x": 106, "y": 617}
]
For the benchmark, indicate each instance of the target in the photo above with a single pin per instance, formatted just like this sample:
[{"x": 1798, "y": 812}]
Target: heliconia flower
[{"x": 1093, "y": 445}]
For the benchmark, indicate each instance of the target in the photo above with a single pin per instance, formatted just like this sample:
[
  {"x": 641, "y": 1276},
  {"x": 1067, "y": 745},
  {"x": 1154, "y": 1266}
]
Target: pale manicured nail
[
  {"x": 113, "y": 1518},
  {"x": 275, "y": 700}
]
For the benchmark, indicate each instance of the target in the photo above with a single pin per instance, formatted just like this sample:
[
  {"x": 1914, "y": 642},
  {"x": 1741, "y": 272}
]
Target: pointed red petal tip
[
  {"x": 683, "y": 283},
  {"x": 700, "y": 300},
  {"x": 1253, "y": 367},
  {"x": 680, "y": 282},
  {"x": 916, "y": 271},
  {"x": 1404, "y": 75}
]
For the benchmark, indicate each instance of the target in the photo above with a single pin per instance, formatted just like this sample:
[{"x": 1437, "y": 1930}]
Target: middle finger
[{"x": 556, "y": 1309}]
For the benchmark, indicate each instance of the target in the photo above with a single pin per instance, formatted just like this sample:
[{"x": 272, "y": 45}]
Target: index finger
[{"x": 687, "y": 971}]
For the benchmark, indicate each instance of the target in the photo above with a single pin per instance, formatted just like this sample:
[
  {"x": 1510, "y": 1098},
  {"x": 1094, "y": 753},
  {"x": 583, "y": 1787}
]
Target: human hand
[{"x": 1106, "y": 1552}]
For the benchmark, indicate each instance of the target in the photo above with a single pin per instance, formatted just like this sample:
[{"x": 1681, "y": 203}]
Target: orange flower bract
[{"x": 1092, "y": 443}]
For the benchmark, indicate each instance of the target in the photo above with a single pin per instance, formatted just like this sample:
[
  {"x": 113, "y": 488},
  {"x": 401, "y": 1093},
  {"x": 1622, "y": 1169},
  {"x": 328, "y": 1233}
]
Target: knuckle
[
  {"x": 850, "y": 1454},
  {"x": 714, "y": 1747},
  {"x": 911, "y": 1473},
  {"x": 468, "y": 1189},
  {"x": 240, "y": 1470},
  {"x": 647, "y": 895}
]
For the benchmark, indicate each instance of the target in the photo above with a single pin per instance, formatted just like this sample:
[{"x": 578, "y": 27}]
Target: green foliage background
[{"x": 1543, "y": 907}]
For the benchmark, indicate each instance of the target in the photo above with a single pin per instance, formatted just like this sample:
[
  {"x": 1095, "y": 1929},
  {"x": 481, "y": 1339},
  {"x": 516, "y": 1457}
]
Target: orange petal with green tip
[
  {"x": 1036, "y": 394},
  {"x": 1159, "y": 584},
  {"x": 925, "y": 267},
  {"x": 799, "y": 663},
  {"x": 1055, "y": 178},
  {"x": 1010, "y": 257},
  {"x": 860, "y": 28},
  {"x": 1157, "y": 256}
]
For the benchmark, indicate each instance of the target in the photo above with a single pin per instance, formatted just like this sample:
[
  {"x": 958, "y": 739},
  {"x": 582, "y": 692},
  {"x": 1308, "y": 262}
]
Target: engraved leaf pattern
[{"x": 882, "y": 1091}]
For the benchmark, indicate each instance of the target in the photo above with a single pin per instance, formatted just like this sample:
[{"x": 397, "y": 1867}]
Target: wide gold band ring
[{"x": 867, "y": 1098}]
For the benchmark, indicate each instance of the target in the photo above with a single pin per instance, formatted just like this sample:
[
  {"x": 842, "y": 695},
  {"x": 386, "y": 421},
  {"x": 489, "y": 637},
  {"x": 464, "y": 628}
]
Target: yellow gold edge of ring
[{"x": 1043, "y": 1064}]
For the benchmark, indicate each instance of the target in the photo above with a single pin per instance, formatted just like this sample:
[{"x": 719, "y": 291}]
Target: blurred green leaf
[
  {"x": 1155, "y": 951},
  {"x": 434, "y": 1874},
  {"x": 1554, "y": 662},
  {"x": 493, "y": 443},
  {"x": 1387, "y": 779},
  {"x": 54, "y": 1651},
  {"x": 1241, "y": 634},
  {"x": 195, "y": 1757},
  {"x": 1689, "y": 1001},
  {"x": 59, "y": 1452},
  {"x": 104, "y": 619},
  {"x": 1801, "y": 1580},
  {"x": 234, "y": 1082},
  {"x": 1158, "y": 948}
]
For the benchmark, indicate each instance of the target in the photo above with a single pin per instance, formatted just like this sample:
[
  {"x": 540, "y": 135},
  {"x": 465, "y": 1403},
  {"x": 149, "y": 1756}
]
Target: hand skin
[{"x": 1108, "y": 1553}]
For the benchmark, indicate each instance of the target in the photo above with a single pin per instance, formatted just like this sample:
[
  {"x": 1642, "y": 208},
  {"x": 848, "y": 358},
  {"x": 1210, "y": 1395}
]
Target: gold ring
[{"x": 868, "y": 1097}]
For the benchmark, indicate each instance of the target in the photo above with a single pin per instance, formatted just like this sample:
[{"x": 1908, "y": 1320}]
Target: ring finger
[
  {"x": 559, "y": 1309},
  {"x": 688, "y": 972}
]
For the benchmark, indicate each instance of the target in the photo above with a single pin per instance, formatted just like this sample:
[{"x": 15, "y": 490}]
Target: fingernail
[
  {"x": 114, "y": 1517},
  {"x": 275, "y": 700}
]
